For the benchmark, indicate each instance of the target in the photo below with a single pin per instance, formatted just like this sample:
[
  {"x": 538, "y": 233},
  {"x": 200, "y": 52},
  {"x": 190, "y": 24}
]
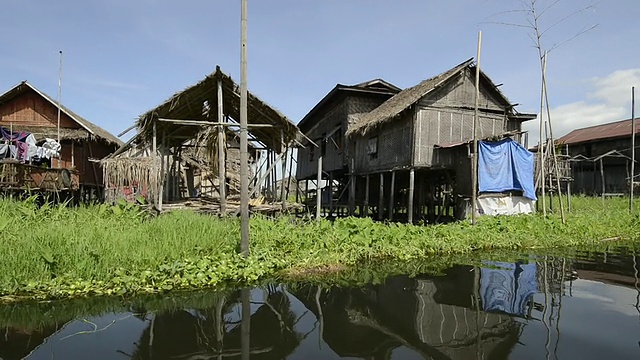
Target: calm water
[{"x": 538, "y": 308}]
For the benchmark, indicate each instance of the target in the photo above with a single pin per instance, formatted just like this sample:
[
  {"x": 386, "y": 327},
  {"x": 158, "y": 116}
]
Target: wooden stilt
[
  {"x": 391, "y": 195},
  {"x": 318, "y": 190},
  {"x": 330, "y": 193},
  {"x": 381, "y": 198},
  {"x": 602, "y": 179},
  {"x": 410, "y": 200},
  {"x": 352, "y": 188},
  {"x": 366, "y": 197}
]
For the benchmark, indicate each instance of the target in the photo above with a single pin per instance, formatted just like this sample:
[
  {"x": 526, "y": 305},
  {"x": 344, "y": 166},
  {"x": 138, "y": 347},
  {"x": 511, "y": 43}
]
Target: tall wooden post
[
  {"x": 633, "y": 146},
  {"x": 222, "y": 171},
  {"x": 474, "y": 163},
  {"x": 602, "y": 179},
  {"x": 366, "y": 197},
  {"x": 381, "y": 198},
  {"x": 330, "y": 193},
  {"x": 283, "y": 180},
  {"x": 352, "y": 189},
  {"x": 162, "y": 176},
  {"x": 391, "y": 194},
  {"x": 542, "y": 143},
  {"x": 318, "y": 189},
  {"x": 244, "y": 156},
  {"x": 411, "y": 189}
]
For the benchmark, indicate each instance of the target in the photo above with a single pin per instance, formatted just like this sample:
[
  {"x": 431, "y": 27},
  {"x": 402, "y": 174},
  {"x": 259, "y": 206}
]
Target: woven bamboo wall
[
  {"x": 446, "y": 126},
  {"x": 394, "y": 141}
]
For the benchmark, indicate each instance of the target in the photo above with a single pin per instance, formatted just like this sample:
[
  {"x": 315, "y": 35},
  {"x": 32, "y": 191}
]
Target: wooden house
[
  {"x": 195, "y": 134},
  {"x": 408, "y": 158},
  {"x": 601, "y": 158},
  {"x": 26, "y": 110}
]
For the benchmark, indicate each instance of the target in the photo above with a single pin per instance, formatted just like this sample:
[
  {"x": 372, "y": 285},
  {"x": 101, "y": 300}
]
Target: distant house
[
  {"x": 601, "y": 157},
  {"x": 25, "y": 110},
  {"x": 408, "y": 156}
]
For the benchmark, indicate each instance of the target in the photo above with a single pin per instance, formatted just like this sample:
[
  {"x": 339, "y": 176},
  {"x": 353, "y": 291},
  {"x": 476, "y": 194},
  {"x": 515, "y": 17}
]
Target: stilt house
[
  {"x": 25, "y": 110},
  {"x": 193, "y": 138},
  {"x": 409, "y": 157},
  {"x": 601, "y": 158}
]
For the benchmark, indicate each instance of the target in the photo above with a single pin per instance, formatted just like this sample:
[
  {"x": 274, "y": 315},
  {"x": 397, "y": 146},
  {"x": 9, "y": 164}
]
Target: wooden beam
[
  {"x": 212, "y": 123},
  {"x": 352, "y": 189},
  {"x": 263, "y": 177}
]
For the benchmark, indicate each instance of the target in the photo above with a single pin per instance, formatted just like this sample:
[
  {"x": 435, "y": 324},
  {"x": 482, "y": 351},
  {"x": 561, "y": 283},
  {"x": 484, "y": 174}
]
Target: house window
[
  {"x": 337, "y": 140},
  {"x": 323, "y": 145},
  {"x": 372, "y": 147}
]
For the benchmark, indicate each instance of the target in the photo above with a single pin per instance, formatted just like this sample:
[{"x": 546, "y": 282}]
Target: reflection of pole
[
  {"x": 476, "y": 295},
  {"x": 219, "y": 327},
  {"x": 635, "y": 284},
  {"x": 555, "y": 350},
  {"x": 320, "y": 317},
  {"x": 546, "y": 303},
  {"x": 245, "y": 346},
  {"x": 244, "y": 157}
]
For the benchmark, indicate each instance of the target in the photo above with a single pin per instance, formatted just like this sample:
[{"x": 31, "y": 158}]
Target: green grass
[{"x": 60, "y": 252}]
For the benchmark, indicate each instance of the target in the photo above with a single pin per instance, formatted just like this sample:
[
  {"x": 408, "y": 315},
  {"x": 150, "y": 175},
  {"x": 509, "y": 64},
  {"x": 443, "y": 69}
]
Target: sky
[{"x": 123, "y": 57}]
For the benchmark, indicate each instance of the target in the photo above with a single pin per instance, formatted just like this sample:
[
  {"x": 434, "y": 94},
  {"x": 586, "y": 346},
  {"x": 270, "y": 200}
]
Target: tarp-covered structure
[{"x": 505, "y": 178}]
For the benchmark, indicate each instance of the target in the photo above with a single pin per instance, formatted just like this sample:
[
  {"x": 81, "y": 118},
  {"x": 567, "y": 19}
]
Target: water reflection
[{"x": 544, "y": 307}]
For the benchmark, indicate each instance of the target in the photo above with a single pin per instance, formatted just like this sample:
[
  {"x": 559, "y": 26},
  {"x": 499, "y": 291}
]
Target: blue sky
[{"x": 123, "y": 57}]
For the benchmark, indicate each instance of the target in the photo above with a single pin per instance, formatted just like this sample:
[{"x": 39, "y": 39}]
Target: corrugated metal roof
[{"x": 600, "y": 132}]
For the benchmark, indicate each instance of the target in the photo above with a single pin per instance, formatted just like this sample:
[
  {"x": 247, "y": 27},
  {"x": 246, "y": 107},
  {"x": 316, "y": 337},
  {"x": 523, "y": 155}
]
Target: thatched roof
[
  {"x": 375, "y": 86},
  {"x": 200, "y": 102},
  {"x": 393, "y": 107},
  {"x": 88, "y": 128}
]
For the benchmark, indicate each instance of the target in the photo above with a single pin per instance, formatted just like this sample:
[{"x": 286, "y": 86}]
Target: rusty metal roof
[{"x": 599, "y": 132}]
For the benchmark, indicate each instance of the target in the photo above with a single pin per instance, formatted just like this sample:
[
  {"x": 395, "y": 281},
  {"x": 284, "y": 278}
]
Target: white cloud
[{"x": 608, "y": 99}]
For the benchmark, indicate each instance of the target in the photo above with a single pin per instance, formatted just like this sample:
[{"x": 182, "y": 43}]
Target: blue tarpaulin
[{"x": 505, "y": 165}]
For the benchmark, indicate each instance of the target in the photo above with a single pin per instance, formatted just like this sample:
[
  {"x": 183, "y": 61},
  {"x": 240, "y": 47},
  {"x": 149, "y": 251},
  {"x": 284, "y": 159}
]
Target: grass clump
[{"x": 58, "y": 252}]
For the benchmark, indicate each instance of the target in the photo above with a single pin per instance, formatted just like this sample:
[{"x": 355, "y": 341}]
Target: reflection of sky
[
  {"x": 122, "y": 330},
  {"x": 598, "y": 321}
]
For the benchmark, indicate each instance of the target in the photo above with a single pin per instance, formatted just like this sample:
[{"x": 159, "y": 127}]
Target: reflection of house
[
  {"x": 437, "y": 317},
  {"x": 601, "y": 155},
  {"x": 19, "y": 343},
  {"x": 208, "y": 333},
  {"x": 407, "y": 154},
  {"x": 25, "y": 109}
]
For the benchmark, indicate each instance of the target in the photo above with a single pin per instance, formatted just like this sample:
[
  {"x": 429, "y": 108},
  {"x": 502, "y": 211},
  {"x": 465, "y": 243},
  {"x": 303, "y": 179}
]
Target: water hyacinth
[{"x": 56, "y": 251}]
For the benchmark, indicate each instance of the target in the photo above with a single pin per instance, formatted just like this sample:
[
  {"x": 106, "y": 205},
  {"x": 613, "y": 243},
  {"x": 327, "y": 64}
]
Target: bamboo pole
[
  {"x": 542, "y": 143},
  {"x": 391, "y": 194},
  {"x": 411, "y": 190},
  {"x": 551, "y": 139},
  {"x": 381, "y": 197},
  {"x": 366, "y": 196},
  {"x": 602, "y": 178},
  {"x": 59, "y": 108},
  {"x": 222, "y": 167},
  {"x": 318, "y": 189},
  {"x": 633, "y": 145},
  {"x": 474, "y": 160},
  {"x": 244, "y": 161},
  {"x": 352, "y": 189}
]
